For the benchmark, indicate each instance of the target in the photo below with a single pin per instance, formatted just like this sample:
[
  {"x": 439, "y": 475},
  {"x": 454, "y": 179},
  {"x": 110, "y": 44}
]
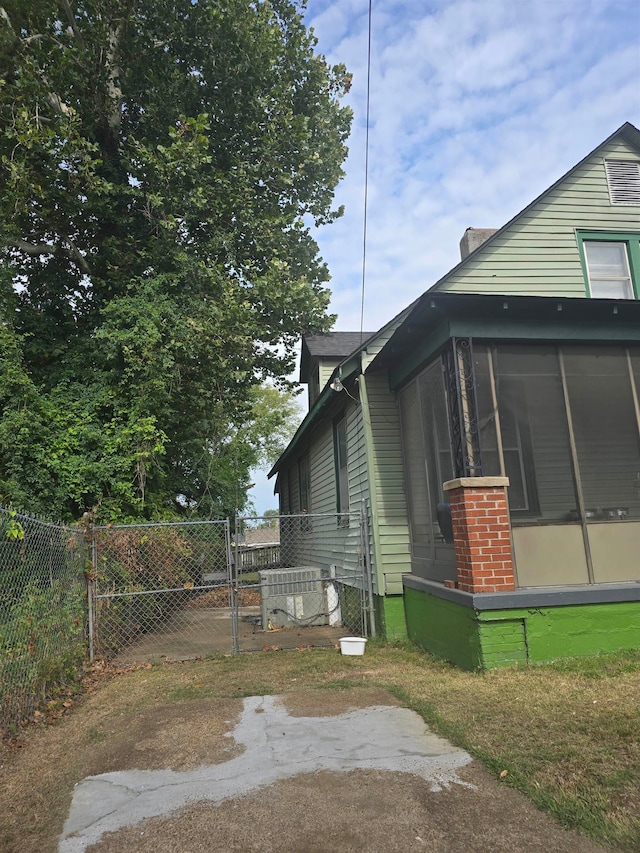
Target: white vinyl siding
[{"x": 538, "y": 253}]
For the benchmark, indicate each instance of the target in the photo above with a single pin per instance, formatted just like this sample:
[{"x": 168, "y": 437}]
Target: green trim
[
  {"x": 326, "y": 397},
  {"x": 425, "y": 351},
  {"x": 632, "y": 241},
  {"x": 490, "y": 329}
]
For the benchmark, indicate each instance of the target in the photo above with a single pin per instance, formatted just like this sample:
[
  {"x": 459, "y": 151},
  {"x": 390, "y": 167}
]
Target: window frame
[
  {"x": 631, "y": 240},
  {"x": 304, "y": 491},
  {"x": 342, "y": 500}
]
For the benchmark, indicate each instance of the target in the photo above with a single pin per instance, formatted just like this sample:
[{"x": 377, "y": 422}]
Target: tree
[
  {"x": 271, "y": 517},
  {"x": 163, "y": 162}
]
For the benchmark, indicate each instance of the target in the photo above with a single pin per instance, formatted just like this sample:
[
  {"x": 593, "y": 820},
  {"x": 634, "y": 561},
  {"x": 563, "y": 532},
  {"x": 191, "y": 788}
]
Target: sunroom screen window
[
  {"x": 608, "y": 269},
  {"x": 415, "y": 470},
  {"x": 606, "y": 431},
  {"x": 535, "y": 434},
  {"x": 436, "y": 438}
]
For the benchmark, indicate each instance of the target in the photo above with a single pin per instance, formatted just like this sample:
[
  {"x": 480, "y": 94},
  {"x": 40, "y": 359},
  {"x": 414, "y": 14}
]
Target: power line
[{"x": 366, "y": 177}]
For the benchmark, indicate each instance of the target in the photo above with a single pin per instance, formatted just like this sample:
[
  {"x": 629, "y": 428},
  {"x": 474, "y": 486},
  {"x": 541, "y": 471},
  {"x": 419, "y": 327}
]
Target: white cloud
[{"x": 476, "y": 107}]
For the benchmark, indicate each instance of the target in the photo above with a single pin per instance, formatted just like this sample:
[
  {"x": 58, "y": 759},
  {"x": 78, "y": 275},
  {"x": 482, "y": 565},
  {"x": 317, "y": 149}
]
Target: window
[
  {"x": 303, "y": 483},
  {"x": 342, "y": 475},
  {"x": 303, "y": 491},
  {"x": 611, "y": 263},
  {"x": 608, "y": 269}
]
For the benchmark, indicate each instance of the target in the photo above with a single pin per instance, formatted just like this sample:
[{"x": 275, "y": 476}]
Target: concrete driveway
[{"x": 306, "y": 775}]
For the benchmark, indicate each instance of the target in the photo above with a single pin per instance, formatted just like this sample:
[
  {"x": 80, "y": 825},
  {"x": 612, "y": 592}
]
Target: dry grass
[{"x": 568, "y": 736}]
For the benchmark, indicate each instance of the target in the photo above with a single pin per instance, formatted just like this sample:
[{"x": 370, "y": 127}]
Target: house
[{"x": 492, "y": 432}]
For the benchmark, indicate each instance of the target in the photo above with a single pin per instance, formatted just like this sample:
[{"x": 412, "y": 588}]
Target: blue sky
[{"x": 477, "y": 106}]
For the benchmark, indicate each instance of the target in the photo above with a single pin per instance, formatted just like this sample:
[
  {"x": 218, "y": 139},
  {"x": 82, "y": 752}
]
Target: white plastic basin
[{"x": 352, "y": 645}]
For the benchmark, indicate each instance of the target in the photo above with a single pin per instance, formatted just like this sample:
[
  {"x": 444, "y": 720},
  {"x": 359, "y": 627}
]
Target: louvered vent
[{"x": 623, "y": 177}]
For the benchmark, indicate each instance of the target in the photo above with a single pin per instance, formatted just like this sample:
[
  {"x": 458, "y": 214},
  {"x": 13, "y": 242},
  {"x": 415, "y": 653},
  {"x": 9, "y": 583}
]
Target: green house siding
[
  {"x": 485, "y": 639},
  {"x": 326, "y": 366},
  {"x": 388, "y": 502},
  {"x": 323, "y": 542},
  {"x": 390, "y": 617},
  {"x": 322, "y": 471},
  {"x": 537, "y": 254}
]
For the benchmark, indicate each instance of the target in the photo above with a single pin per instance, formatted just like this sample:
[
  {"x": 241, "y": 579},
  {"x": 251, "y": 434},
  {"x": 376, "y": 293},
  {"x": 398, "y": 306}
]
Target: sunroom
[{"x": 540, "y": 393}]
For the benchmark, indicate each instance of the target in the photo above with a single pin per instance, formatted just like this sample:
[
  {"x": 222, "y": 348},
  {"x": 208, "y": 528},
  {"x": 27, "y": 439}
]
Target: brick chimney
[{"x": 472, "y": 238}]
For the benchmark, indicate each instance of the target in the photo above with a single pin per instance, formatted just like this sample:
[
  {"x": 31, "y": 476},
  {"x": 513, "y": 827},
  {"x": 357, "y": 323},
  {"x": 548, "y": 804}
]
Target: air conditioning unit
[{"x": 293, "y": 597}]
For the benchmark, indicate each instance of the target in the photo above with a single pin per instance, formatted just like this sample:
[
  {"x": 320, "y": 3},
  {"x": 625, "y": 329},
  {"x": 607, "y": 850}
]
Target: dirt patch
[
  {"x": 180, "y": 737},
  {"x": 112, "y": 730},
  {"x": 351, "y": 812}
]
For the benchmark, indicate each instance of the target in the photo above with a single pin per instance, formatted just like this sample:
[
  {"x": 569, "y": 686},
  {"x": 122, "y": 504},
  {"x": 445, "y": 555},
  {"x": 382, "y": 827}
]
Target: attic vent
[{"x": 623, "y": 177}]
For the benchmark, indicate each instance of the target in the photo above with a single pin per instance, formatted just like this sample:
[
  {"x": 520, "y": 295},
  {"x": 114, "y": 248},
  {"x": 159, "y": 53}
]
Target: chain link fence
[
  {"x": 160, "y": 591},
  {"x": 300, "y": 580},
  {"x": 171, "y": 591},
  {"x": 183, "y": 590},
  {"x": 42, "y": 615}
]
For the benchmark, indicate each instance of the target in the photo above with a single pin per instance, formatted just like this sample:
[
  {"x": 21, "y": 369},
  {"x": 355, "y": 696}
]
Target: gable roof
[
  {"x": 628, "y": 132},
  {"x": 403, "y": 320},
  {"x": 336, "y": 345}
]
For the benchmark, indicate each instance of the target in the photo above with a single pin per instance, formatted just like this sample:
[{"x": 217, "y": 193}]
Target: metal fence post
[
  {"x": 233, "y": 589},
  {"x": 366, "y": 564},
  {"x": 91, "y": 584}
]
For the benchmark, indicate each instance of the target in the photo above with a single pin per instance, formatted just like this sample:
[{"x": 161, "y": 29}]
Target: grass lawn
[{"x": 567, "y": 735}]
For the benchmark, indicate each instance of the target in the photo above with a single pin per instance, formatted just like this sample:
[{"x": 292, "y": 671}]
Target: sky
[{"x": 476, "y": 107}]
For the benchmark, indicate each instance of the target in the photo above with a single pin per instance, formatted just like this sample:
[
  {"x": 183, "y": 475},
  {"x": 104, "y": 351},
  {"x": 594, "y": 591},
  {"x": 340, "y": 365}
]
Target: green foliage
[
  {"x": 41, "y": 646},
  {"x": 14, "y": 531},
  {"x": 162, "y": 166},
  {"x": 164, "y": 562}
]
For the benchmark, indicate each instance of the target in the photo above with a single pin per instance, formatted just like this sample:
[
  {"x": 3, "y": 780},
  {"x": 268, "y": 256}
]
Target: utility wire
[{"x": 366, "y": 177}]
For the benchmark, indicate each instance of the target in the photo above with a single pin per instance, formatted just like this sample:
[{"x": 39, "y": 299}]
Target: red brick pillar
[{"x": 481, "y": 533}]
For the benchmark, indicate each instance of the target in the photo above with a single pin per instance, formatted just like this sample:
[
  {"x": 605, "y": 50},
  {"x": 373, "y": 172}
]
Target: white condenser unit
[{"x": 293, "y": 597}]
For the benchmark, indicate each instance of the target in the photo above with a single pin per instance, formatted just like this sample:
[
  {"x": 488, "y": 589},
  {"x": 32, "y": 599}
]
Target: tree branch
[
  {"x": 114, "y": 92},
  {"x": 71, "y": 20},
  {"x": 35, "y": 250},
  {"x": 7, "y": 20}
]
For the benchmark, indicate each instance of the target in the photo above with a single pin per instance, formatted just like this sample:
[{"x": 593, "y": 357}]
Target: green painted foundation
[
  {"x": 485, "y": 639},
  {"x": 390, "y": 617}
]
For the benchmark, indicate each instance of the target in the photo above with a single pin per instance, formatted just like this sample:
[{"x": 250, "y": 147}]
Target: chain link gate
[
  {"x": 301, "y": 580},
  {"x": 160, "y": 591},
  {"x": 179, "y": 590}
]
